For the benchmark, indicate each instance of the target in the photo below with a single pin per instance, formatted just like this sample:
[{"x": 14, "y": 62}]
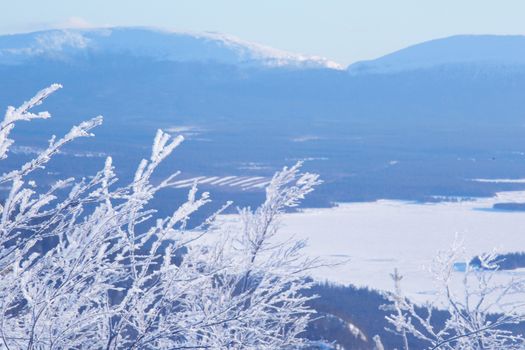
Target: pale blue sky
[{"x": 342, "y": 30}]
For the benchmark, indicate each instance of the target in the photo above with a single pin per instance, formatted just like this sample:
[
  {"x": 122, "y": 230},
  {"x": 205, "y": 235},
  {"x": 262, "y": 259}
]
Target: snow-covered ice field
[{"x": 379, "y": 236}]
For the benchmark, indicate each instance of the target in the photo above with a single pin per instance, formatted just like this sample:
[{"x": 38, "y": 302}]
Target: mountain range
[{"x": 419, "y": 124}]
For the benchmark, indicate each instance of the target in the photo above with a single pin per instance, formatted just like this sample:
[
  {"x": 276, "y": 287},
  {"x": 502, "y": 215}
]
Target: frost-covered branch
[
  {"x": 480, "y": 313},
  {"x": 22, "y": 113},
  {"x": 81, "y": 130}
]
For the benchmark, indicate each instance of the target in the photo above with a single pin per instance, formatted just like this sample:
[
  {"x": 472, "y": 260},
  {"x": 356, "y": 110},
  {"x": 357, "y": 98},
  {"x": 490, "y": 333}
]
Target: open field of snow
[{"x": 379, "y": 236}]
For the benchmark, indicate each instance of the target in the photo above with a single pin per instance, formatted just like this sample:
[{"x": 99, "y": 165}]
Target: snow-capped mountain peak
[{"x": 161, "y": 45}]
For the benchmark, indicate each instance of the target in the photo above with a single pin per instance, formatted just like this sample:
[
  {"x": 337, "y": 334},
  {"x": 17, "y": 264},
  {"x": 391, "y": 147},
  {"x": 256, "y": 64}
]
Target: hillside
[{"x": 486, "y": 52}]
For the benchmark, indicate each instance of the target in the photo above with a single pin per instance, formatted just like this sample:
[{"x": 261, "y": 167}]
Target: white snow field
[
  {"x": 244, "y": 182},
  {"x": 379, "y": 236}
]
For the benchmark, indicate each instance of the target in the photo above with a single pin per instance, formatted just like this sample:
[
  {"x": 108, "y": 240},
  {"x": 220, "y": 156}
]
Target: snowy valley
[{"x": 416, "y": 150}]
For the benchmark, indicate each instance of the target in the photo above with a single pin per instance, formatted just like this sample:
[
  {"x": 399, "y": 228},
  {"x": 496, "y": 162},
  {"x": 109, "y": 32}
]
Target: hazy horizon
[{"x": 342, "y": 31}]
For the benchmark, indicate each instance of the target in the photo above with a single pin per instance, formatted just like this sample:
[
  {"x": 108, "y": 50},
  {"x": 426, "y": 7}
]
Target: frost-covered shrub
[{"x": 117, "y": 276}]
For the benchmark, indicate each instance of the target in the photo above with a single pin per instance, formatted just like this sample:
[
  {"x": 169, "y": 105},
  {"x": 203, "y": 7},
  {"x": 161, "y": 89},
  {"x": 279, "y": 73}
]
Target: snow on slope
[
  {"x": 155, "y": 44},
  {"x": 501, "y": 181},
  {"x": 243, "y": 182},
  {"x": 461, "y": 49}
]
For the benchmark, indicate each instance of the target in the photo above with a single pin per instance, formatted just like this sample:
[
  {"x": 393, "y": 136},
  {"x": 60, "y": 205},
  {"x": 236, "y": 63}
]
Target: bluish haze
[
  {"x": 421, "y": 124},
  {"x": 342, "y": 30}
]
